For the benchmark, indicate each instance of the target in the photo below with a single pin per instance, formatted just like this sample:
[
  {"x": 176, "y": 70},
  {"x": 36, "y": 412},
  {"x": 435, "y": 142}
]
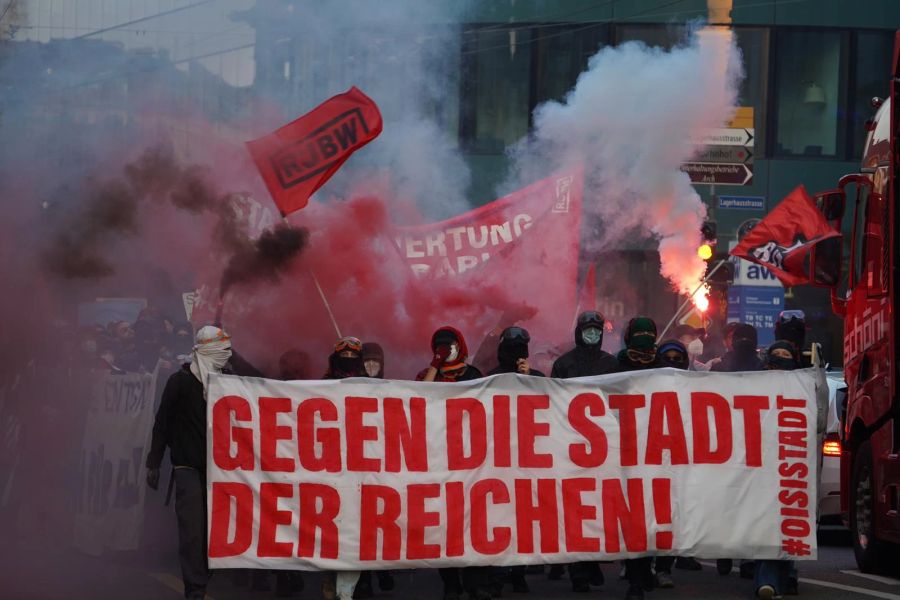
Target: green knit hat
[{"x": 641, "y": 333}]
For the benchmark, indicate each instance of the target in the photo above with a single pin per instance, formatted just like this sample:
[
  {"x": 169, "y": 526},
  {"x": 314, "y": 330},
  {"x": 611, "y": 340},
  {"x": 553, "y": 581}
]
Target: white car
[{"x": 830, "y": 481}]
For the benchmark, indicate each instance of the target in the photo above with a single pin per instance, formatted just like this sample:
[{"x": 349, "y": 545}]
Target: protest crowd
[{"x": 184, "y": 359}]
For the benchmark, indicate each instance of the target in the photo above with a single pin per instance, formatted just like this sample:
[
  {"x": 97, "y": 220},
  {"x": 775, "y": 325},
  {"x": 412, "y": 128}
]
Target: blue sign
[
  {"x": 742, "y": 203},
  {"x": 758, "y": 306}
]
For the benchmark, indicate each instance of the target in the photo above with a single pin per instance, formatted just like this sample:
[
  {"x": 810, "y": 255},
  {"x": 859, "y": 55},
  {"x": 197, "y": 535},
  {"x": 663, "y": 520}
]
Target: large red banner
[
  {"x": 521, "y": 249},
  {"x": 299, "y": 158}
]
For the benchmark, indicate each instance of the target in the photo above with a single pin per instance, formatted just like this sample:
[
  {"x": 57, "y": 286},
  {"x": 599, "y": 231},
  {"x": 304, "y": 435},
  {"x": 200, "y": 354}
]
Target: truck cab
[{"x": 870, "y": 419}]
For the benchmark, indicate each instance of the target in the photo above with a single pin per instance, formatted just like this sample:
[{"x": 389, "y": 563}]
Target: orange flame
[{"x": 701, "y": 299}]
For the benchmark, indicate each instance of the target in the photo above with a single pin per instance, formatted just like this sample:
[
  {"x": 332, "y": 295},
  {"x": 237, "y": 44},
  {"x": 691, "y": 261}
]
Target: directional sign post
[
  {"x": 725, "y": 154},
  {"x": 732, "y": 136},
  {"x": 719, "y": 173}
]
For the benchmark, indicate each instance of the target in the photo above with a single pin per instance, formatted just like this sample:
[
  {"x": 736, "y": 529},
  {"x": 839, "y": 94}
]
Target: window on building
[
  {"x": 754, "y": 46},
  {"x": 561, "y": 54},
  {"x": 663, "y": 36},
  {"x": 496, "y": 87},
  {"x": 872, "y": 68},
  {"x": 810, "y": 100}
]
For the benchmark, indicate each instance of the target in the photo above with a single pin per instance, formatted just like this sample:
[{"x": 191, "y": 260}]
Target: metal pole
[
  {"x": 690, "y": 298},
  {"x": 325, "y": 302}
]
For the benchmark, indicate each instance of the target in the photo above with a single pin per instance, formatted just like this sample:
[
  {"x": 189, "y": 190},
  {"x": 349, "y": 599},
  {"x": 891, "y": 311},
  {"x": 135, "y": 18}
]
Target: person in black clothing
[
  {"x": 743, "y": 354},
  {"x": 346, "y": 360},
  {"x": 587, "y": 358},
  {"x": 776, "y": 577},
  {"x": 512, "y": 353},
  {"x": 373, "y": 363},
  {"x": 639, "y": 354},
  {"x": 181, "y": 426},
  {"x": 512, "y": 357},
  {"x": 674, "y": 354},
  {"x": 373, "y": 360},
  {"x": 448, "y": 363}
]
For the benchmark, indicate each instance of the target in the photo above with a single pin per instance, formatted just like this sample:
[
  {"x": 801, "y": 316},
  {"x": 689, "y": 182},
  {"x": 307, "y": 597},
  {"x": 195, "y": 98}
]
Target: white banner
[
  {"x": 110, "y": 509},
  {"x": 363, "y": 473}
]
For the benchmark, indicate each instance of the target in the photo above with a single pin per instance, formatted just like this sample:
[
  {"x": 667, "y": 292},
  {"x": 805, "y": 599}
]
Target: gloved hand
[
  {"x": 153, "y": 478},
  {"x": 440, "y": 356}
]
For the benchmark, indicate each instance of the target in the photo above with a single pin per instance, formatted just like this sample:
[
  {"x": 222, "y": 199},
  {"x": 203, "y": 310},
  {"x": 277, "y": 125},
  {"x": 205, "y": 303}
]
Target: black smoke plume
[{"x": 265, "y": 259}]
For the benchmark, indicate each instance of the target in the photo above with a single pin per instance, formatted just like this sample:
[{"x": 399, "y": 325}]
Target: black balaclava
[
  {"x": 779, "y": 363},
  {"x": 792, "y": 330},
  {"x": 668, "y": 347},
  {"x": 640, "y": 341},
  {"x": 513, "y": 346}
]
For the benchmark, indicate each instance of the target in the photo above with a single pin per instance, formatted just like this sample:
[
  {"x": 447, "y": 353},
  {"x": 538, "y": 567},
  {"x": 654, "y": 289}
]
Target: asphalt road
[{"x": 33, "y": 571}]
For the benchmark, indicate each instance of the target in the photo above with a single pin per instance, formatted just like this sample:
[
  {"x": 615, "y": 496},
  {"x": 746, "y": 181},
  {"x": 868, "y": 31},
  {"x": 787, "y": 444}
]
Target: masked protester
[
  {"x": 512, "y": 353},
  {"x": 674, "y": 354},
  {"x": 743, "y": 355},
  {"x": 346, "y": 360},
  {"x": 639, "y": 354},
  {"x": 791, "y": 327},
  {"x": 587, "y": 358},
  {"x": 293, "y": 365},
  {"x": 449, "y": 360},
  {"x": 181, "y": 426},
  {"x": 448, "y": 363},
  {"x": 512, "y": 357},
  {"x": 782, "y": 356},
  {"x": 373, "y": 363},
  {"x": 373, "y": 360},
  {"x": 776, "y": 577}
]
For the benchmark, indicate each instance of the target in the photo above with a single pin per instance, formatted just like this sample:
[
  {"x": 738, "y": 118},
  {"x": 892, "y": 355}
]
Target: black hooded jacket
[{"x": 584, "y": 360}]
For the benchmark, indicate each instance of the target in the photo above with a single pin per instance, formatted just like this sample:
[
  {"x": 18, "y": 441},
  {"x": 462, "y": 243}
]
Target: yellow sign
[{"x": 742, "y": 119}]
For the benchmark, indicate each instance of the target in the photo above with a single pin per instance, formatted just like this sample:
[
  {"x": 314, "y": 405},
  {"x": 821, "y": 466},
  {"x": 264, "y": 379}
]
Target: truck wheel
[{"x": 869, "y": 551}]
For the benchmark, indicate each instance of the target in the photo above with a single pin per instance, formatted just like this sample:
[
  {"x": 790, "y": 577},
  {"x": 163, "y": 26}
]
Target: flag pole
[
  {"x": 691, "y": 297},
  {"x": 325, "y": 302},
  {"x": 315, "y": 279}
]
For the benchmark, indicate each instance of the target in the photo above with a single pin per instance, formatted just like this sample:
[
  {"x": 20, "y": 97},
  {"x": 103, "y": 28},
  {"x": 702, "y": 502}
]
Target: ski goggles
[
  {"x": 348, "y": 343},
  {"x": 591, "y": 317},
  {"x": 515, "y": 334}
]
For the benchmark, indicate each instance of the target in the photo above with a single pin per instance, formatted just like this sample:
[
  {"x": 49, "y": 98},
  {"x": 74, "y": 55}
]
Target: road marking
[
  {"x": 878, "y": 578},
  {"x": 840, "y": 586},
  {"x": 175, "y": 583},
  {"x": 850, "y": 588}
]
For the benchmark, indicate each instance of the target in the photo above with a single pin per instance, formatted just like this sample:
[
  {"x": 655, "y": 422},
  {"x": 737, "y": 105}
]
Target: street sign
[
  {"x": 742, "y": 202},
  {"x": 725, "y": 154},
  {"x": 719, "y": 173},
  {"x": 726, "y": 137},
  {"x": 757, "y": 306}
]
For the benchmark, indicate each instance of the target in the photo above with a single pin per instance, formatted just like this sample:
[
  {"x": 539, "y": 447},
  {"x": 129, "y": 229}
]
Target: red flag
[
  {"x": 587, "y": 299},
  {"x": 783, "y": 239},
  {"x": 299, "y": 158}
]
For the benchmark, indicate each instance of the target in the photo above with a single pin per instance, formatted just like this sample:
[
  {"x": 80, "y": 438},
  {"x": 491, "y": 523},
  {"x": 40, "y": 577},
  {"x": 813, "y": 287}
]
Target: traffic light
[{"x": 724, "y": 274}]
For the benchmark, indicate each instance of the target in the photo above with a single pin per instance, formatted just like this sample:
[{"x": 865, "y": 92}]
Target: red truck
[{"x": 870, "y": 444}]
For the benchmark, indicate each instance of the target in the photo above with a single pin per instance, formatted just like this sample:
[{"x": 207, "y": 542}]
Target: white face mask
[
  {"x": 695, "y": 348},
  {"x": 372, "y": 367},
  {"x": 454, "y": 352},
  {"x": 591, "y": 336}
]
